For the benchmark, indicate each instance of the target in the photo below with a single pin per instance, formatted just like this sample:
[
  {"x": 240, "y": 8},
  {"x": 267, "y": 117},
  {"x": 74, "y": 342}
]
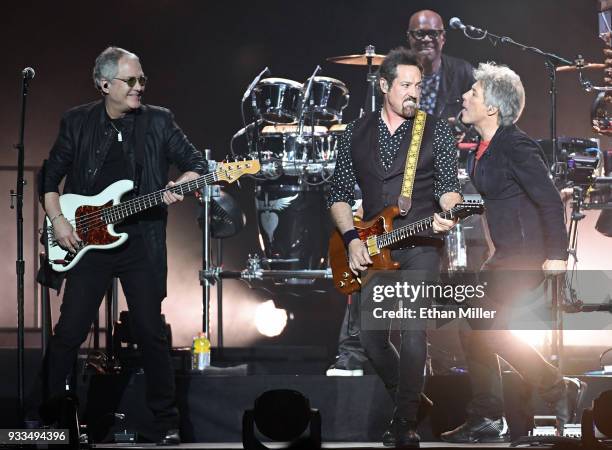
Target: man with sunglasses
[
  {"x": 98, "y": 144},
  {"x": 445, "y": 78}
]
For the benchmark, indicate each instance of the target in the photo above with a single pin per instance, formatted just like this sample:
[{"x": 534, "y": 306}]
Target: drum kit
[{"x": 295, "y": 135}]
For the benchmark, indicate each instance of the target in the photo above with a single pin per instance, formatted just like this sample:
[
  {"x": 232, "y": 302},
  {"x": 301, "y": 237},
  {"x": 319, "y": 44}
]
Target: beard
[{"x": 409, "y": 108}]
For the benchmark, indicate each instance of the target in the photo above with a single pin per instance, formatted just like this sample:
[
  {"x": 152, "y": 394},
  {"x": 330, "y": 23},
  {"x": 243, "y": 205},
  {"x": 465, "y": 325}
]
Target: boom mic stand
[
  {"x": 27, "y": 74},
  {"x": 551, "y": 62}
]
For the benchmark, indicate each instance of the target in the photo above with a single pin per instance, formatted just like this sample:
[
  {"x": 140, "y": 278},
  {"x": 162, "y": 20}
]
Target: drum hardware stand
[
  {"x": 207, "y": 193},
  {"x": 254, "y": 271},
  {"x": 370, "y": 105}
]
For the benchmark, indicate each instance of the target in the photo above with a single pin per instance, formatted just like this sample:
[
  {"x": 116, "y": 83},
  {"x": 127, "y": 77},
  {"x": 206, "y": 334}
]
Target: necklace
[{"x": 119, "y": 135}]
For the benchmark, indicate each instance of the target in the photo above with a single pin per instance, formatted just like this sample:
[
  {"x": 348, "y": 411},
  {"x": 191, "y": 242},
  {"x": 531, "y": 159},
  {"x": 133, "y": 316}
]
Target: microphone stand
[
  {"x": 245, "y": 96},
  {"x": 551, "y": 62},
  {"x": 303, "y": 104},
  {"x": 20, "y": 263}
]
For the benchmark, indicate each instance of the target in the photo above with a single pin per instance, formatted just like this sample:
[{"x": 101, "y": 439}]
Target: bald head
[
  {"x": 426, "y": 38},
  {"x": 425, "y": 18}
]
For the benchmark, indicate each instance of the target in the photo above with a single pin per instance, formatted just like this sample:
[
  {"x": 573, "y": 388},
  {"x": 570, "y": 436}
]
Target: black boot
[{"x": 425, "y": 405}]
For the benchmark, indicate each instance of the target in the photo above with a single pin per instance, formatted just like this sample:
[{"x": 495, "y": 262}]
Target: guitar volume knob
[
  {"x": 345, "y": 275},
  {"x": 341, "y": 284}
]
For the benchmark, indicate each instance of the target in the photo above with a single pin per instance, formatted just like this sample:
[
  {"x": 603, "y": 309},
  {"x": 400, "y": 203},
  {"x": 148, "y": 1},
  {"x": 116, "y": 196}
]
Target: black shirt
[
  {"x": 343, "y": 181},
  {"x": 117, "y": 166}
]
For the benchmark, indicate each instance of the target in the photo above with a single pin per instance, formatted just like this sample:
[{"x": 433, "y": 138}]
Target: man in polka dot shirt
[{"x": 372, "y": 153}]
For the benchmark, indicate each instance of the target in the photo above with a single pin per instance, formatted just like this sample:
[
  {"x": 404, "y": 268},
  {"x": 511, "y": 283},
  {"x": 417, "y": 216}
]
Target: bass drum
[{"x": 293, "y": 225}]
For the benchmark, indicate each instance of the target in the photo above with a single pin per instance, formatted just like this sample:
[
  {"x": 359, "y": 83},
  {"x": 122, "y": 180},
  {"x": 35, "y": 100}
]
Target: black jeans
[
  {"x": 349, "y": 343},
  {"x": 403, "y": 371},
  {"x": 86, "y": 284},
  {"x": 482, "y": 348}
]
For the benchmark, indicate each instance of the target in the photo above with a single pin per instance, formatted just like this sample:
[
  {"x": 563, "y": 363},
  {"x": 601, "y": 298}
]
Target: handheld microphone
[
  {"x": 253, "y": 83},
  {"x": 28, "y": 73}
]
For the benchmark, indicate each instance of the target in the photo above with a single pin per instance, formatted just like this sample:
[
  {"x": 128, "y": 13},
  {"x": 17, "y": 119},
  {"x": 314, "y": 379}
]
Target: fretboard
[
  {"x": 401, "y": 233},
  {"x": 117, "y": 213}
]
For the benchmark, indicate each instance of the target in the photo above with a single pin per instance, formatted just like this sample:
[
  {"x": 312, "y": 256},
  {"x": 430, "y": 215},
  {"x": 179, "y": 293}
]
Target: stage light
[
  {"x": 270, "y": 320},
  {"x": 535, "y": 338},
  {"x": 281, "y": 415}
]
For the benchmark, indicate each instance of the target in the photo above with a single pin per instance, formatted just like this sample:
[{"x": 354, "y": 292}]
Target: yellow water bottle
[{"x": 200, "y": 352}]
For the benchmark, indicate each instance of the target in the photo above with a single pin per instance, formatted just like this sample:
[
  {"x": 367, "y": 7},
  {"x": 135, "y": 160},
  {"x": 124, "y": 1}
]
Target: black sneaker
[
  {"x": 345, "y": 366},
  {"x": 478, "y": 429}
]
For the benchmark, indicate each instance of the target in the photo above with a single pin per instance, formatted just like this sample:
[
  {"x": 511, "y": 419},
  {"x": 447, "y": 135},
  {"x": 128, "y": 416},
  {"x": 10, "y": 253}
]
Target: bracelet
[
  {"x": 59, "y": 215},
  {"x": 349, "y": 236}
]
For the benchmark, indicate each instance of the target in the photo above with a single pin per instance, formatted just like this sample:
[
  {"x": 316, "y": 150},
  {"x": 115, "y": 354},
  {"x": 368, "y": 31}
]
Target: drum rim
[
  {"x": 276, "y": 80},
  {"x": 320, "y": 130},
  {"x": 333, "y": 81}
]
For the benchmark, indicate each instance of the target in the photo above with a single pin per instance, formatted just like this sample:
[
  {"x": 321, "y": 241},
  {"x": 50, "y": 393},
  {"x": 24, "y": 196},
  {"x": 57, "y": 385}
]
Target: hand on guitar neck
[{"x": 171, "y": 197}]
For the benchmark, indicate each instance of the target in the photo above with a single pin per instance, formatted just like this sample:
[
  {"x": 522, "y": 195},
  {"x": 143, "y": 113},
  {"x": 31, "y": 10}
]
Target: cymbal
[
  {"x": 587, "y": 66},
  {"x": 357, "y": 60}
]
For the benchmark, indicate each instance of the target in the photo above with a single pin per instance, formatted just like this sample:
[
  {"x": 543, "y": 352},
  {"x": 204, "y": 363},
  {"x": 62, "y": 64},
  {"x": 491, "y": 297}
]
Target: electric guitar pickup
[
  {"x": 379, "y": 236},
  {"x": 94, "y": 217}
]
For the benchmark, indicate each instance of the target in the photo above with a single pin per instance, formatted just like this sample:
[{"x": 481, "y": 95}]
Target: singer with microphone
[{"x": 525, "y": 217}]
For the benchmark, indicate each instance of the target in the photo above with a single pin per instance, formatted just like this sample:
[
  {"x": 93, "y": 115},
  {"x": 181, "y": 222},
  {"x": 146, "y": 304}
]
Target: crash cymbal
[
  {"x": 587, "y": 66},
  {"x": 357, "y": 60}
]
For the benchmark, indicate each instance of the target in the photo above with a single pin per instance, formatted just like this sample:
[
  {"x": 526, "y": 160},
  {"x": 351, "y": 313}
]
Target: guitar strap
[
  {"x": 412, "y": 158},
  {"x": 141, "y": 126}
]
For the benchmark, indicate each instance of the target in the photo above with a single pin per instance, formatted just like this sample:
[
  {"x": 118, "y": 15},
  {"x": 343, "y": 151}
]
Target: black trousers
[
  {"x": 482, "y": 348},
  {"x": 403, "y": 371},
  {"x": 86, "y": 284}
]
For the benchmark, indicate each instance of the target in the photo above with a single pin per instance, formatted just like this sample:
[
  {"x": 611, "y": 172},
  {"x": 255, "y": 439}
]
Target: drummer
[{"x": 445, "y": 78}]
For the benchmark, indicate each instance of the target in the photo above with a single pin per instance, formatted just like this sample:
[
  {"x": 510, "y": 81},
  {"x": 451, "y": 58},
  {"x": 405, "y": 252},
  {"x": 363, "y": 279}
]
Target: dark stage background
[{"x": 200, "y": 56}]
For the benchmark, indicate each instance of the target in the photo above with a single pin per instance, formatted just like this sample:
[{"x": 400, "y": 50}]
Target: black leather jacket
[
  {"x": 81, "y": 147},
  {"x": 523, "y": 208}
]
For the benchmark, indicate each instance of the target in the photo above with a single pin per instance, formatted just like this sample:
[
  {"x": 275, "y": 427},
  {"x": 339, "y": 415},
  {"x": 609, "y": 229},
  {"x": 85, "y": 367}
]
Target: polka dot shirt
[
  {"x": 343, "y": 182},
  {"x": 429, "y": 92}
]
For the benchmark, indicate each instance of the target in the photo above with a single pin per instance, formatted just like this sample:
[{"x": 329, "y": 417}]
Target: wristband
[
  {"x": 349, "y": 236},
  {"x": 59, "y": 215}
]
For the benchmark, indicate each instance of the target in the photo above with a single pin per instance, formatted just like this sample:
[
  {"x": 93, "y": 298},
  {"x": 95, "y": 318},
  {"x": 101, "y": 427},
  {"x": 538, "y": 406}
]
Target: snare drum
[
  {"x": 277, "y": 100},
  {"x": 328, "y": 97}
]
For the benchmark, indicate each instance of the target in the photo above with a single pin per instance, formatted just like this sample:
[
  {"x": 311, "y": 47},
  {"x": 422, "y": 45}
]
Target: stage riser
[{"x": 352, "y": 409}]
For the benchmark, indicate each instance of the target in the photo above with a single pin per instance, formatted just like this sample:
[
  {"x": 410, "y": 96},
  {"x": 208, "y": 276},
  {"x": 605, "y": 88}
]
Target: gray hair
[
  {"x": 107, "y": 62},
  {"x": 502, "y": 89}
]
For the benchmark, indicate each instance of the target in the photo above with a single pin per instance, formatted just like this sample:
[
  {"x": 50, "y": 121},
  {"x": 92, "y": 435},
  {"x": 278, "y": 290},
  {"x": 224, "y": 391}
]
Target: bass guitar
[{"x": 94, "y": 217}]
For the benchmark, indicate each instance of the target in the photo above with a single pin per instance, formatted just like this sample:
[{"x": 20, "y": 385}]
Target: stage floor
[{"x": 277, "y": 445}]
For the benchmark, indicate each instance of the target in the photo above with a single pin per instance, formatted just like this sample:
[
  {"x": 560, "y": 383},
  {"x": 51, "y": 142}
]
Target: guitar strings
[
  {"x": 399, "y": 234},
  {"x": 93, "y": 217}
]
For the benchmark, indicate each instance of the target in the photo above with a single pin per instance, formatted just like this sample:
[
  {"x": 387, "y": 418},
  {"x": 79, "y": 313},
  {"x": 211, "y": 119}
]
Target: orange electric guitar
[{"x": 379, "y": 236}]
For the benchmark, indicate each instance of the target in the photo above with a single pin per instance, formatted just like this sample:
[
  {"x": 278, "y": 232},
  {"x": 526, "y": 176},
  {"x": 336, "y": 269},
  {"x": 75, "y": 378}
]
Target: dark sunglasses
[
  {"x": 131, "y": 82},
  {"x": 421, "y": 34}
]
